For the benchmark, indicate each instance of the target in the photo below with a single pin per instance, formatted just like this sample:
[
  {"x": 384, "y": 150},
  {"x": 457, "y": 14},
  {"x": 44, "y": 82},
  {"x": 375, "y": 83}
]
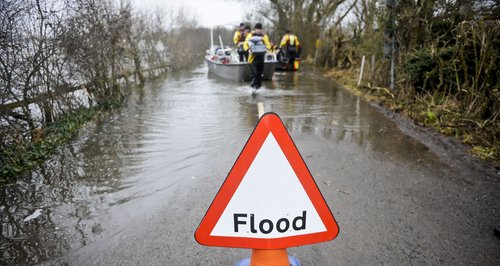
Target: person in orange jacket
[
  {"x": 290, "y": 45},
  {"x": 257, "y": 43}
]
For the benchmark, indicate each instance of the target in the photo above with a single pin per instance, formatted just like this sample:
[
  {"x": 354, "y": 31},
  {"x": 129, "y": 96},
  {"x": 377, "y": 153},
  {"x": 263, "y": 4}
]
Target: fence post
[{"x": 361, "y": 71}]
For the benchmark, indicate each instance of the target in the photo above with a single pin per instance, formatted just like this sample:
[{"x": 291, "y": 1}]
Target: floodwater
[{"x": 133, "y": 186}]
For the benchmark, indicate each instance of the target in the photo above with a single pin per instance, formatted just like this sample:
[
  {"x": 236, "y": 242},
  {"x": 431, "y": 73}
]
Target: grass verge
[
  {"x": 24, "y": 156},
  {"x": 441, "y": 112}
]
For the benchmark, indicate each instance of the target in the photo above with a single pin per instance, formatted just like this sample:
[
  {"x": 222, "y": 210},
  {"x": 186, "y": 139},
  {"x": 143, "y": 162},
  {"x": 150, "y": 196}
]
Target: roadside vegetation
[
  {"x": 447, "y": 67},
  {"x": 61, "y": 62},
  {"x": 446, "y": 59}
]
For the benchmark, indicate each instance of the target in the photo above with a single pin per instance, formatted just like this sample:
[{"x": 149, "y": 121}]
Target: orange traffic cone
[{"x": 269, "y": 257}]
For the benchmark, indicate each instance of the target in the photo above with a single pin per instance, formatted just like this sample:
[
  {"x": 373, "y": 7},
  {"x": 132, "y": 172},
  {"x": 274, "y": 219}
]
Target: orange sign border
[{"x": 269, "y": 122}]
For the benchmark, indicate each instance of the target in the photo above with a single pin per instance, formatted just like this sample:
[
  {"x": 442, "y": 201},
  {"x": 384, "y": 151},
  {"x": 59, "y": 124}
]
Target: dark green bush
[{"x": 419, "y": 66}]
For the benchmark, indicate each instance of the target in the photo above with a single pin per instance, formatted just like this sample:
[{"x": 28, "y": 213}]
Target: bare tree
[
  {"x": 307, "y": 18},
  {"x": 52, "y": 48}
]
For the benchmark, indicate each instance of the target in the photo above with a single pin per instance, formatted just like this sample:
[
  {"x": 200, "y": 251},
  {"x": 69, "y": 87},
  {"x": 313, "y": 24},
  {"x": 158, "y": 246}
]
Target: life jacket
[
  {"x": 242, "y": 36},
  {"x": 291, "y": 43},
  {"x": 241, "y": 39},
  {"x": 257, "y": 45}
]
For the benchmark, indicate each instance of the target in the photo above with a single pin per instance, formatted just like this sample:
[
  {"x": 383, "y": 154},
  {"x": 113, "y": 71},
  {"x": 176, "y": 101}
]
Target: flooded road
[{"x": 134, "y": 185}]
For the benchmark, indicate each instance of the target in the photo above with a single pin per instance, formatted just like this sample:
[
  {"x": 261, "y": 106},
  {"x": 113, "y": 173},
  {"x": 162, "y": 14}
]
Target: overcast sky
[{"x": 208, "y": 13}]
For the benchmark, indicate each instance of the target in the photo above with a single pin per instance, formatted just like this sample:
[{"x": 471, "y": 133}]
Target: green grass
[{"x": 20, "y": 157}]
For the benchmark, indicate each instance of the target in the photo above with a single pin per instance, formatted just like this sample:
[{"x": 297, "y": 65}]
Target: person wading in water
[
  {"x": 291, "y": 47},
  {"x": 257, "y": 43}
]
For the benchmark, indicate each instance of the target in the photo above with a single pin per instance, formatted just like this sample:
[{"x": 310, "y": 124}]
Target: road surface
[{"x": 132, "y": 188}]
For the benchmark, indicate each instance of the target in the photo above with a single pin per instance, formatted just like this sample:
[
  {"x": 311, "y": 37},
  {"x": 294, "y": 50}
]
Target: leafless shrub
[{"x": 57, "y": 56}]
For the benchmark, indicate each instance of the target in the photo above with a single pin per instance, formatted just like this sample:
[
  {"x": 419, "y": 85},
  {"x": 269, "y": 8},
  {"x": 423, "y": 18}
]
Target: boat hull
[
  {"x": 238, "y": 71},
  {"x": 269, "y": 68},
  {"x": 233, "y": 71}
]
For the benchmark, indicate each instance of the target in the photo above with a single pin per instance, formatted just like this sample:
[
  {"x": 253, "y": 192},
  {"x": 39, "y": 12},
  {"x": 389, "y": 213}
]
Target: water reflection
[
  {"x": 165, "y": 134},
  {"x": 318, "y": 106}
]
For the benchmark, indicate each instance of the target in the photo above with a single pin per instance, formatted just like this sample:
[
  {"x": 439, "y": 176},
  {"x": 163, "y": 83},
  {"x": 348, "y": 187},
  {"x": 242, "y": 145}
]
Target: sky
[{"x": 208, "y": 13}]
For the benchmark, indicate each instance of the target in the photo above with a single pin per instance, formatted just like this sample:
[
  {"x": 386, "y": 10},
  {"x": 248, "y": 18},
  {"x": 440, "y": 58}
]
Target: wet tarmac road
[{"x": 134, "y": 185}]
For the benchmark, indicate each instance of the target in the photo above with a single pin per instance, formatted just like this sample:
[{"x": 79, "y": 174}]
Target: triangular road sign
[{"x": 269, "y": 199}]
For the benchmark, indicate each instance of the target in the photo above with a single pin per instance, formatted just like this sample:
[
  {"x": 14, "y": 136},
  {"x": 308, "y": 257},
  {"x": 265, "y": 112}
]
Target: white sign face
[{"x": 270, "y": 201}]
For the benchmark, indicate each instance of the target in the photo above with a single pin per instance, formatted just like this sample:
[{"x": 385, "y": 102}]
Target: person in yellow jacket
[
  {"x": 257, "y": 43},
  {"x": 239, "y": 39},
  {"x": 290, "y": 45}
]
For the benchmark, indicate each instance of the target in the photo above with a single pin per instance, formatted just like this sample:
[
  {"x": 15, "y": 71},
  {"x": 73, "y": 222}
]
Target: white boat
[{"x": 224, "y": 62}]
